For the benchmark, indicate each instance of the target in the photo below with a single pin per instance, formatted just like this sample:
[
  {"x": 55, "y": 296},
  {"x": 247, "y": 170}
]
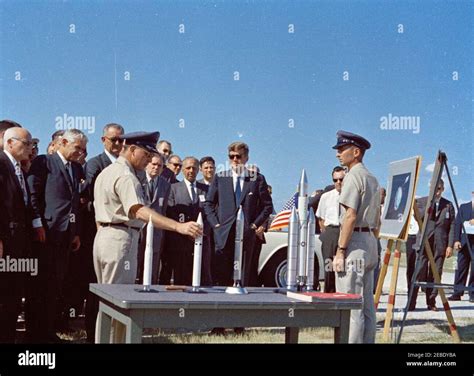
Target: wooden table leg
[
  {"x": 104, "y": 326},
  {"x": 341, "y": 334},
  {"x": 291, "y": 334}
]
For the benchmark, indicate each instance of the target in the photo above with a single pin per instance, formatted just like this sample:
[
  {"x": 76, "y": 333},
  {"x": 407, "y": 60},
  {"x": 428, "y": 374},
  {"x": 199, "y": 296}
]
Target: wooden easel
[
  {"x": 394, "y": 280},
  {"x": 440, "y": 162}
]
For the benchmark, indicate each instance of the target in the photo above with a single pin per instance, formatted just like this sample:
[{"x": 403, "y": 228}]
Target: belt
[
  {"x": 333, "y": 226},
  {"x": 363, "y": 229},
  {"x": 120, "y": 225}
]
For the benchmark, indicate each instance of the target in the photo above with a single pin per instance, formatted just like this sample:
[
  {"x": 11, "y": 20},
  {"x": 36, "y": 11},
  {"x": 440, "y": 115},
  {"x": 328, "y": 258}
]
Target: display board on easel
[
  {"x": 394, "y": 227},
  {"x": 400, "y": 198}
]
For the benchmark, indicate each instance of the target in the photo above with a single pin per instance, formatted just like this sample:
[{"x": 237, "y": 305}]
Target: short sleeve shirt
[
  {"x": 361, "y": 192},
  {"x": 116, "y": 190}
]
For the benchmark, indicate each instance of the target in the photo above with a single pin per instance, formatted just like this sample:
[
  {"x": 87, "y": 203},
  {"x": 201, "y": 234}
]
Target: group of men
[{"x": 87, "y": 219}]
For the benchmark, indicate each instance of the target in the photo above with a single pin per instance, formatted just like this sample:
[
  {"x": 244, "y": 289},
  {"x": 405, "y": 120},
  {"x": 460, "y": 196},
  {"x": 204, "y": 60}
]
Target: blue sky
[{"x": 282, "y": 76}]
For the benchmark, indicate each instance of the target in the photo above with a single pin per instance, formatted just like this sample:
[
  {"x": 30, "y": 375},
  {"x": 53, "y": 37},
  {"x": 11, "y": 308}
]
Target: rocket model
[
  {"x": 197, "y": 259},
  {"x": 303, "y": 227},
  {"x": 237, "y": 288},
  {"x": 311, "y": 248},
  {"x": 292, "y": 258}
]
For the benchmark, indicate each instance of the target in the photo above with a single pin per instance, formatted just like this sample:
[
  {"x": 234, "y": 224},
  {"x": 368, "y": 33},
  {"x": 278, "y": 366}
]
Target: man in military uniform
[
  {"x": 120, "y": 213},
  {"x": 356, "y": 256}
]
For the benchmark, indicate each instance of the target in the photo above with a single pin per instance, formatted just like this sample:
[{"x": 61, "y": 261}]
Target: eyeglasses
[
  {"x": 336, "y": 180},
  {"x": 233, "y": 156},
  {"x": 113, "y": 140},
  {"x": 176, "y": 164},
  {"x": 24, "y": 142},
  {"x": 166, "y": 151}
]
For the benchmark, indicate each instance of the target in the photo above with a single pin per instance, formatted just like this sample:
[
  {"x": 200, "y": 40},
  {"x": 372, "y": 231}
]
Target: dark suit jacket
[
  {"x": 440, "y": 227},
  {"x": 169, "y": 175},
  {"x": 220, "y": 207},
  {"x": 15, "y": 216},
  {"x": 158, "y": 201},
  {"x": 93, "y": 168},
  {"x": 54, "y": 197},
  {"x": 182, "y": 209},
  {"x": 465, "y": 213},
  {"x": 180, "y": 247}
]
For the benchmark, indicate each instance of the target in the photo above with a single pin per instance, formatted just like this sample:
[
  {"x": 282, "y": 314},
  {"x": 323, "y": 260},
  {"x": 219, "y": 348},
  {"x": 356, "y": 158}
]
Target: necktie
[
  {"x": 19, "y": 175},
  {"x": 69, "y": 171},
  {"x": 193, "y": 193},
  {"x": 151, "y": 188},
  {"x": 238, "y": 192}
]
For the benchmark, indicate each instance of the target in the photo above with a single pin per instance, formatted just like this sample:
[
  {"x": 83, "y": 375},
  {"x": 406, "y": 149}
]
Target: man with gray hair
[
  {"x": 4, "y": 125},
  {"x": 15, "y": 225},
  {"x": 54, "y": 183}
]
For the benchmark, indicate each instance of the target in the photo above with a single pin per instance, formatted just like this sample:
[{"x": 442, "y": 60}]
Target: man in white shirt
[{"x": 328, "y": 214}]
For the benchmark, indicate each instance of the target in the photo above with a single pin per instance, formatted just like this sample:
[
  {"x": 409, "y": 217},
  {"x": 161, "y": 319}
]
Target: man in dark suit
[
  {"x": 440, "y": 235},
  {"x": 156, "y": 191},
  {"x": 15, "y": 225},
  {"x": 112, "y": 148},
  {"x": 54, "y": 182},
  {"x": 461, "y": 240},
  {"x": 230, "y": 190},
  {"x": 186, "y": 201}
]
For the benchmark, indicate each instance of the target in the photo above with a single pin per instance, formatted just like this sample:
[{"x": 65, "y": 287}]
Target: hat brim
[{"x": 337, "y": 146}]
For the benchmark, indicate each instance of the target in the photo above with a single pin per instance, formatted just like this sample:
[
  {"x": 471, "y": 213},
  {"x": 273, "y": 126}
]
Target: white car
[{"x": 272, "y": 266}]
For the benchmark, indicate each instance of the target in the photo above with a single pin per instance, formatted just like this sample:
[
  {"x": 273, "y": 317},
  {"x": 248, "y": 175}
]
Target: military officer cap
[
  {"x": 145, "y": 140},
  {"x": 348, "y": 138}
]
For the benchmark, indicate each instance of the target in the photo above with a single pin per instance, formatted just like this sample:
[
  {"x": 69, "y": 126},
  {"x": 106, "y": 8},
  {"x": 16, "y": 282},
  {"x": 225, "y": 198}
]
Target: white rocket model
[
  {"x": 237, "y": 288},
  {"x": 303, "y": 235},
  {"x": 311, "y": 248},
  {"x": 292, "y": 258},
  {"x": 197, "y": 259}
]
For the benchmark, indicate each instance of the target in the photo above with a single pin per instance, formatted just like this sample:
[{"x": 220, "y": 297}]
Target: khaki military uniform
[
  {"x": 116, "y": 190},
  {"x": 361, "y": 192}
]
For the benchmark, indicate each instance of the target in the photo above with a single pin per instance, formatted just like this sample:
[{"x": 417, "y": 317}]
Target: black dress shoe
[
  {"x": 454, "y": 298},
  {"x": 432, "y": 308},
  {"x": 239, "y": 331}
]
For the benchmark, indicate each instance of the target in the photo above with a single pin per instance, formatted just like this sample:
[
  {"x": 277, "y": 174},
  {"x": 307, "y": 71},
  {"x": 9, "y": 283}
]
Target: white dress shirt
[
  {"x": 328, "y": 208},
  {"x": 111, "y": 157},
  {"x": 188, "y": 186}
]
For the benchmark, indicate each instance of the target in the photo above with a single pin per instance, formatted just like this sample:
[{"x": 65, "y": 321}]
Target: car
[{"x": 272, "y": 267}]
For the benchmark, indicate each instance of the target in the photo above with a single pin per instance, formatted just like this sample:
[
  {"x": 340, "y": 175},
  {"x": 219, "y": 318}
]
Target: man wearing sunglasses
[
  {"x": 328, "y": 214},
  {"x": 356, "y": 256},
  {"x": 228, "y": 191}
]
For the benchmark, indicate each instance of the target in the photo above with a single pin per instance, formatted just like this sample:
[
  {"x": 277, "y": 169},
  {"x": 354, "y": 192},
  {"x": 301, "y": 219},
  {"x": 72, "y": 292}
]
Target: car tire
[{"x": 274, "y": 272}]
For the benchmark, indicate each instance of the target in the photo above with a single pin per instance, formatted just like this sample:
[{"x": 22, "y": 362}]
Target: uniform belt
[
  {"x": 363, "y": 229},
  {"x": 333, "y": 226},
  {"x": 119, "y": 225}
]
